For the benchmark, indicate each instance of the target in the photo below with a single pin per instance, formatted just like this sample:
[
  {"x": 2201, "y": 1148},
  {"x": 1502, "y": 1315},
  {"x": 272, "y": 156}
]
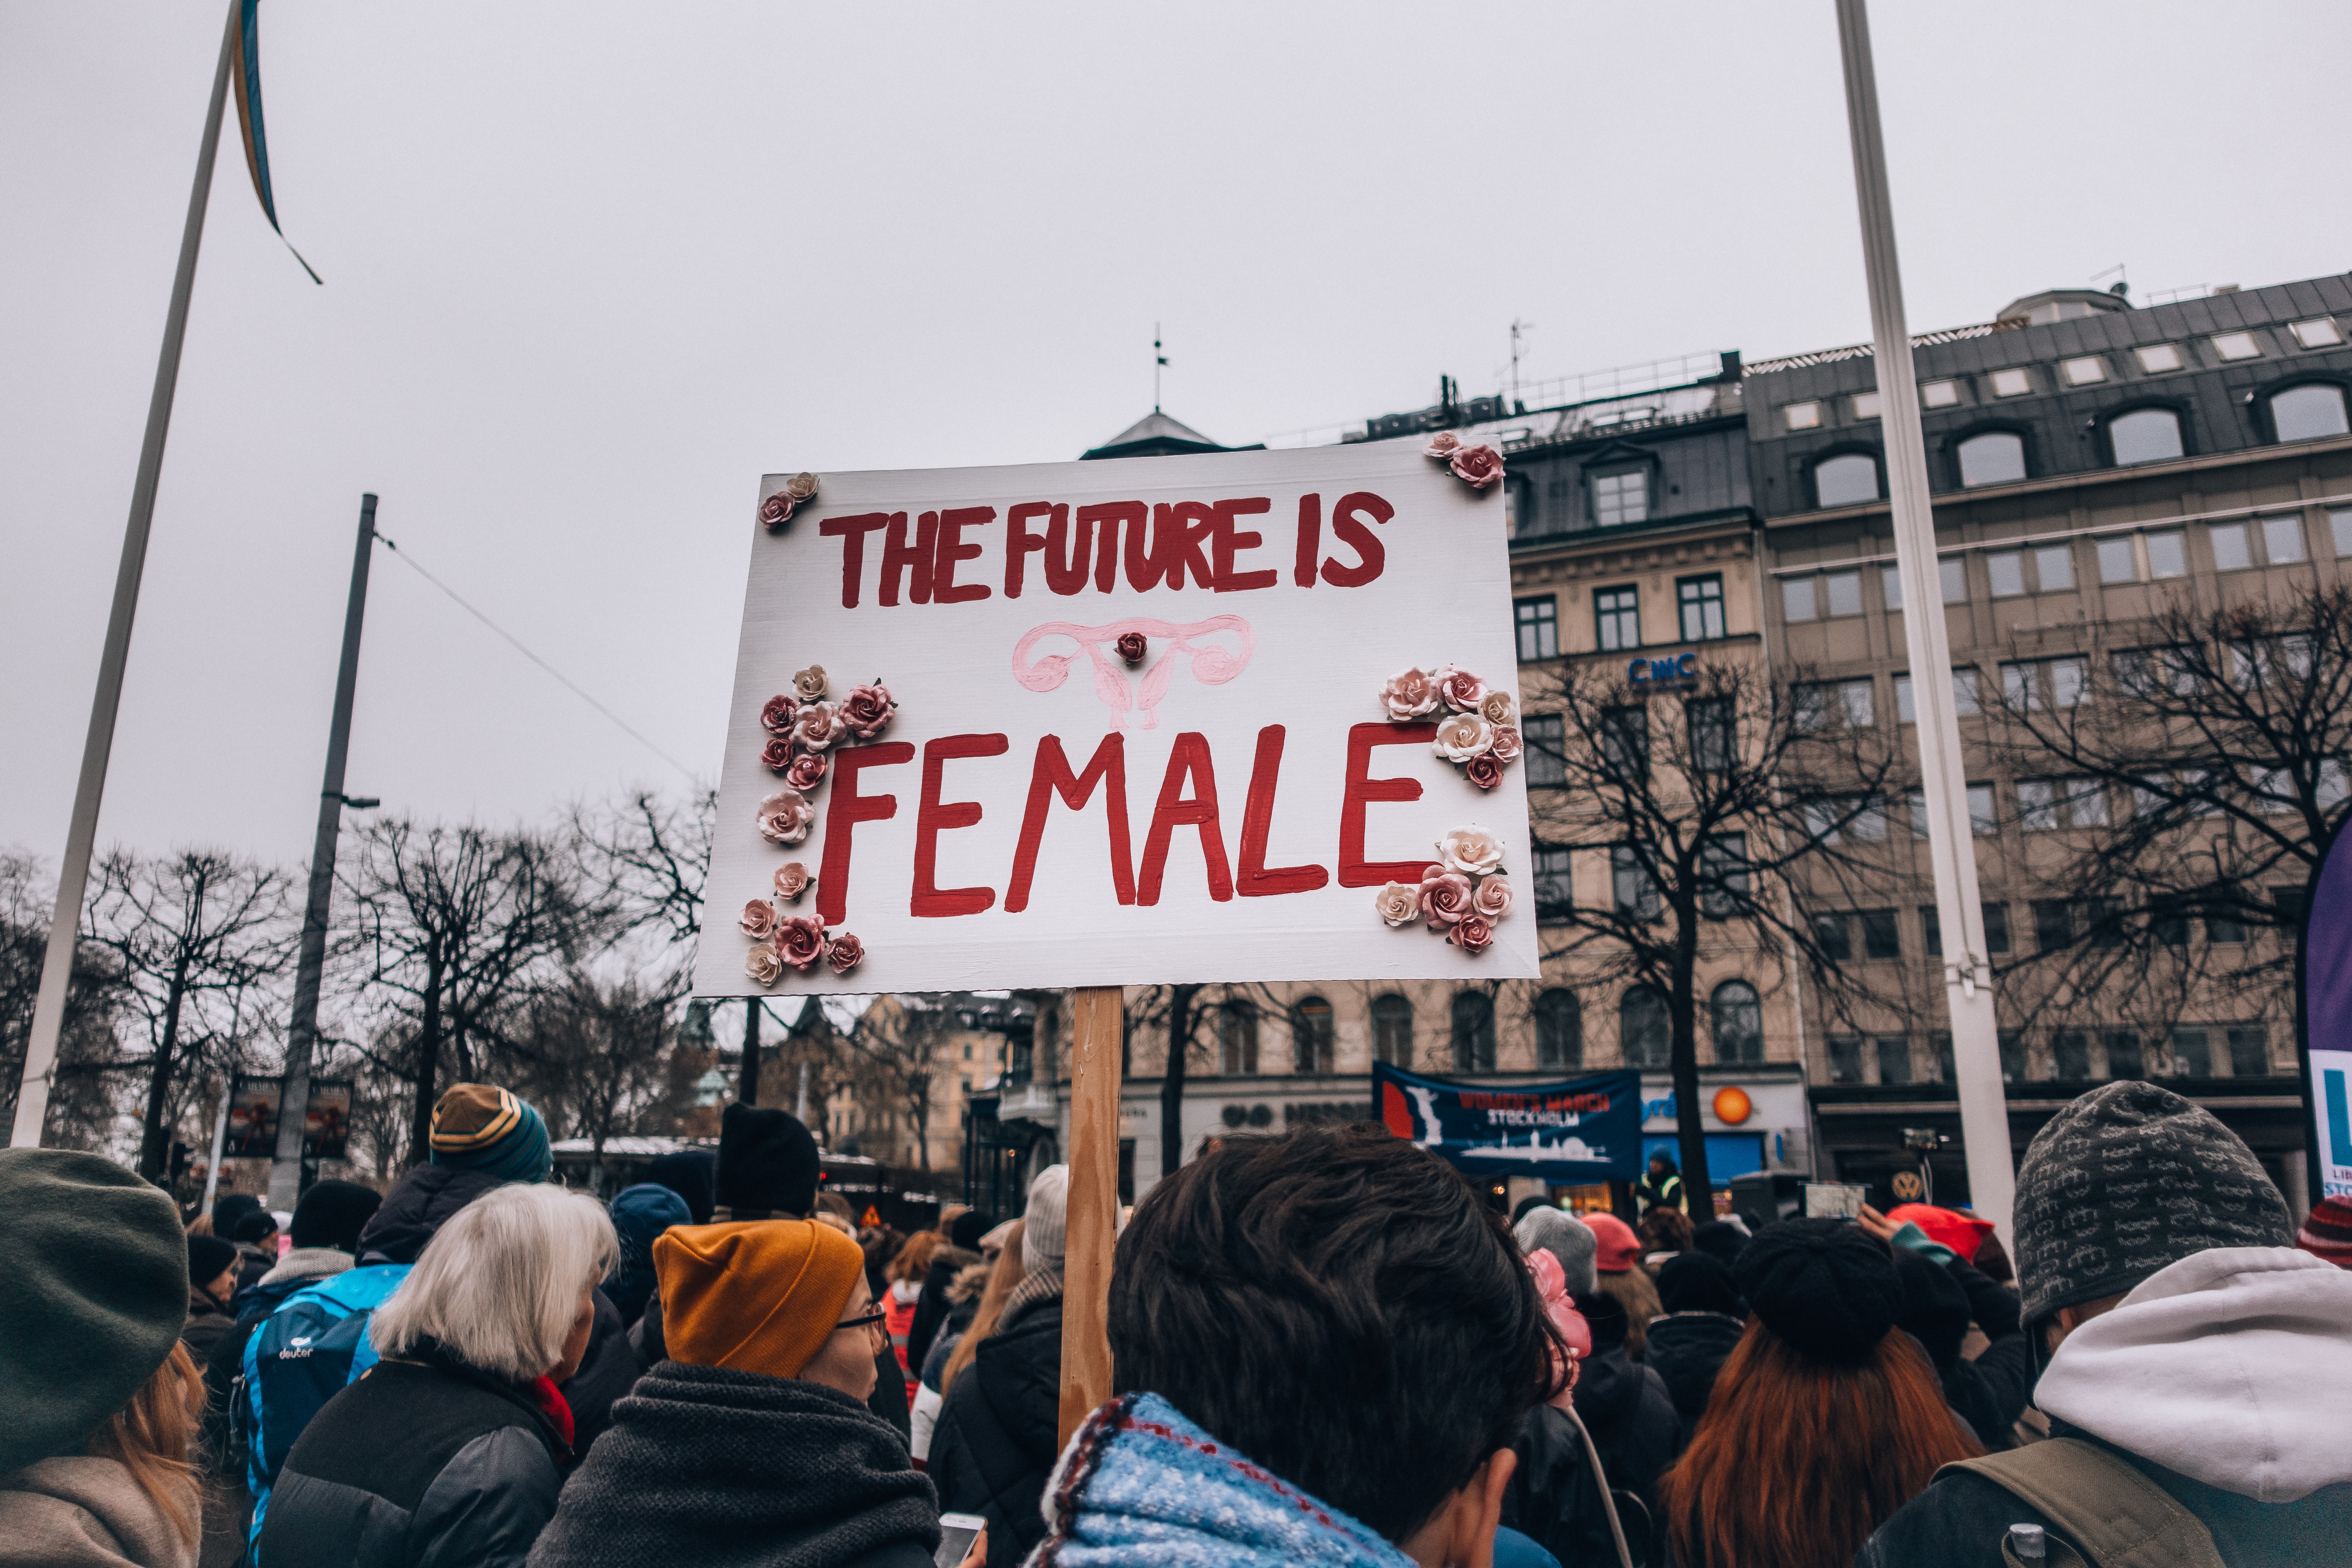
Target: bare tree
[
  {"x": 80, "y": 1104},
  {"x": 647, "y": 856},
  {"x": 592, "y": 1055}
]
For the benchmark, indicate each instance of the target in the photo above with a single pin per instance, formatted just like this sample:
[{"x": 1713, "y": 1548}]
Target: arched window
[
  {"x": 1844, "y": 479},
  {"x": 1559, "y": 1030},
  {"x": 1644, "y": 1031},
  {"x": 1738, "y": 1025},
  {"x": 1473, "y": 1032},
  {"x": 1310, "y": 1035},
  {"x": 2307, "y": 413},
  {"x": 1994, "y": 457},
  {"x": 1237, "y": 1040},
  {"x": 1392, "y": 1030},
  {"x": 2145, "y": 436}
]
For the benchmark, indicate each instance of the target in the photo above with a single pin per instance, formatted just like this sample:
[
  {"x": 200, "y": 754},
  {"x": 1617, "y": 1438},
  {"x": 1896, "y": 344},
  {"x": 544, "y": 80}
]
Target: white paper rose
[
  {"x": 810, "y": 684},
  {"x": 785, "y": 817},
  {"x": 1498, "y": 708},
  {"x": 1459, "y": 738},
  {"x": 762, "y": 964},
  {"x": 1399, "y": 903},
  {"x": 1471, "y": 851},
  {"x": 1493, "y": 898},
  {"x": 800, "y": 487},
  {"x": 817, "y": 726}
]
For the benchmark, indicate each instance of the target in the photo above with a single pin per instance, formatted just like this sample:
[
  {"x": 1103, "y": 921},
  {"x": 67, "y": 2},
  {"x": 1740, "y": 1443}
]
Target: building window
[
  {"x": 2317, "y": 333},
  {"x": 2168, "y": 554},
  {"x": 1831, "y": 935},
  {"x": 2145, "y": 436},
  {"x": 2192, "y": 1054},
  {"x": 1802, "y": 415},
  {"x": 2054, "y": 568},
  {"x": 2281, "y": 539},
  {"x": 1555, "y": 893},
  {"x": 2088, "y": 371},
  {"x": 2012, "y": 1045},
  {"x": 1931, "y": 926},
  {"x": 1632, "y": 886},
  {"x": 1539, "y": 627},
  {"x": 1738, "y": 1019},
  {"x": 2339, "y": 527},
  {"x": 1625, "y": 741},
  {"x": 1311, "y": 1034},
  {"x": 2232, "y": 549},
  {"x": 2307, "y": 413},
  {"x": 2250, "y": 1054},
  {"x": 1796, "y": 599},
  {"x": 1543, "y": 737},
  {"x": 1617, "y": 617},
  {"x": 2014, "y": 381},
  {"x": 1559, "y": 1030},
  {"x": 1939, "y": 394},
  {"x": 2236, "y": 345},
  {"x": 1894, "y": 1059},
  {"x": 1701, "y": 600},
  {"x": 1713, "y": 732},
  {"x": 1907, "y": 706},
  {"x": 1842, "y": 592},
  {"x": 1865, "y": 405},
  {"x": 1392, "y": 1030},
  {"x": 1847, "y": 480},
  {"x": 2118, "y": 562},
  {"x": 2125, "y": 1058},
  {"x": 1473, "y": 1032},
  {"x": 1995, "y": 457},
  {"x": 1996, "y": 927},
  {"x": 1845, "y": 1059},
  {"x": 2044, "y": 683},
  {"x": 2070, "y": 1055},
  {"x": 1621, "y": 496},
  {"x": 2006, "y": 571},
  {"x": 2224, "y": 929},
  {"x": 1954, "y": 571},
  {"x": 1983, "y": 819},
  {"x": 2158, "y": 358},
  {"x": 1890, "y": 586},
  {"x": 1645, "y": 1031},
  {"x": 1237, "y": 1040},
  {"x": 1723, "y": 876},
  {"x": 1881, "y": 934}
]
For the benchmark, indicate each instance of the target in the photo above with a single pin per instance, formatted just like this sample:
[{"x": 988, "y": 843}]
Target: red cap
[
  {"x": 1619, "y": 1248},
  {"x": 2327, "y": 1232},
  {"x": 1955, "y": 1228}
]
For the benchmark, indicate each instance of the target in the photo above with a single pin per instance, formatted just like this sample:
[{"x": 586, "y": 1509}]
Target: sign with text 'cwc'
[{"x": 1049, "y": 804}]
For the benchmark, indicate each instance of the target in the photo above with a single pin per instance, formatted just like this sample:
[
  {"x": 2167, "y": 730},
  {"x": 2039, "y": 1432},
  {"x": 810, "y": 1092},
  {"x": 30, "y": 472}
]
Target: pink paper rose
[
  {"x": 845, "y": 953},
  {"x": 793, "y": 879},
  {"x": 776, "y": 756},
  {"x": 800, "y": 941},
  {"x": 1462, "y": 690},
  {"x": 1131, "y": 646},
  {"x": 1477, "y": 465},
  {"x": 1462, "y": 736},
  {"x": 1444, "y": 899},
  {"x": 867, "y": 709},
  {"x": 1399, "y": 903},
  {"x": 1483, "y": 771},
  {"x": 776, "y": 510},
  {"x": 785, "y": 817},
  {"x": 762, "y": 964},
  {"x": 776, "y": 715},
  {"x": 1496, "y": 707},
  {"x": 1507, "y": 744},
  {"x": 1409, "y": 694},
  {"x": 1472, "y": 933},
  {"x": 759, "y": 921},
  {"x": 807, "y": 770},
  {"x": 1493, "y": 898},
  {"x": 819, "y": 725},
  {"x": 800, "y": 487},
  {"x": 1444, "y": 444}
]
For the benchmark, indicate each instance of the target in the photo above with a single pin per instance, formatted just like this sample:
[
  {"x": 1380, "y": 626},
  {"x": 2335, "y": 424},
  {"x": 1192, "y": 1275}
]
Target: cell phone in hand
[
  {"x": 1835, "y": 1200},
  {"x": 957, "y": 1533}
]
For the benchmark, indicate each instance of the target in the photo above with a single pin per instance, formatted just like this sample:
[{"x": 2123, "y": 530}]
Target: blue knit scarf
[{"x": 1139, "y": 1484}]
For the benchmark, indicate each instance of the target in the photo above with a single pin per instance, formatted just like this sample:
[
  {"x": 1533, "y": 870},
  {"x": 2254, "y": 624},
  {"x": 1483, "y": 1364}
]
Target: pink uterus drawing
[{"x": 1212, "y": 664}]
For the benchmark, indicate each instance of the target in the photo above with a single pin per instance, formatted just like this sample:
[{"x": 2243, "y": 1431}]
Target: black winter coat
[
  {"x": 1554, "y": 1497},
  {"x": 607, "y": 1370},
  {"x": 994, "y": 1445},
  {"x": 419, "y": 1204},
  {"x": 420, "y": 1464},
  {"x": 1625, "y": 1406},
  {"x": 1991, "y": 1393},
  {"x": 932, "y": 1308},
  {"x": 1686, "y": 1350}
]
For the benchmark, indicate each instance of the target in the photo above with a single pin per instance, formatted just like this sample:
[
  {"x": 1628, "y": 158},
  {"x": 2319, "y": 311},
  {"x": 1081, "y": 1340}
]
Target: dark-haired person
[
  {"x": 1323, "y": 1344},
  {"x": 1824, "y": 1420},
  {"x": 212, "y": 1280},
  {"x": 1661, "y": 1183},
  {"x": 257, "y": 1246},
  {"x": 2198, "y": 1360},
  {"x": 1703, "y": 1319},
  {"x": 962, "y": 1234}
]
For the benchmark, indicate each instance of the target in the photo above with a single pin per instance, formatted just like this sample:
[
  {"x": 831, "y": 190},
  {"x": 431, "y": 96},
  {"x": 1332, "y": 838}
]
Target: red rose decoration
[
  {"x": 1472, "y": 933},
  {"x": 776, "y": 756},
  {"x": 1483, "y": 771},
  {"x": 776, "y": 716},
  {"x": 776, "y": 511},
  {"x": 1131, "y": 646},
  {"x": 1476, "y": 467},
  {"x": 804, "y": 771},
  {"x": 1444, "y": 899},
  {"x": 845, "y": 953},
  {"x": 800, "y": 941},
  {"x": 867, "y": 709}
]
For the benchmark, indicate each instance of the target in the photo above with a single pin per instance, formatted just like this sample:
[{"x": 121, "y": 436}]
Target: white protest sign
[{"x": 1037, "y": 810}]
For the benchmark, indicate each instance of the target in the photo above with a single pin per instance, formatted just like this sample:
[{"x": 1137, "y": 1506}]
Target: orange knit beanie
[{"x": 757, "y": 1295}]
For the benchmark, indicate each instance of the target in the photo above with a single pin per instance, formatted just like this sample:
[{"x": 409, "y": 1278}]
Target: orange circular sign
[{"x": 1732, "y": 1105}]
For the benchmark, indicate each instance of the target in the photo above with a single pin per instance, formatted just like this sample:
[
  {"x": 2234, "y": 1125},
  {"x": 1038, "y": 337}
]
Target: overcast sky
[{"x": 591, "y": 268}]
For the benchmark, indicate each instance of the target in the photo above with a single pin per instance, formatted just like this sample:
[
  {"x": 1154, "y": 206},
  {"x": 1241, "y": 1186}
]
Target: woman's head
[
  {"x": 1004, "y": 1276},
  {"x": 149, "y": 1438},
  {"x": 783, "y": 1298},
  {"x": 506, "y": 1285},
  {"x": 914, "y": 1259},
  {"x": 1665, "y": 1229}
]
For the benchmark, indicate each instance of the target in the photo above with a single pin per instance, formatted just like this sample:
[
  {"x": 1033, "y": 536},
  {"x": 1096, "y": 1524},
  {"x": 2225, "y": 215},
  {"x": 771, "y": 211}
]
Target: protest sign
[
  {"x": 1124, "y": 722},
  {"x": 1582, "y": 1130}
]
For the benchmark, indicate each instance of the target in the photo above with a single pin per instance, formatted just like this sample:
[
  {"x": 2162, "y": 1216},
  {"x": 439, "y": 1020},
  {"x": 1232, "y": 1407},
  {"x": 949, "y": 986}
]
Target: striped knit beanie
[
  {"x": 2327, "y": 1232},
  {"x": 478, "y": 1127}
]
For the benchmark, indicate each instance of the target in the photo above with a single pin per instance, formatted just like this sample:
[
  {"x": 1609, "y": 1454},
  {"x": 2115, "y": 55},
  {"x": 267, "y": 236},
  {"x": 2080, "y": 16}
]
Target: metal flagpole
[
  {"x": 81, "y": 832},
  {"x": 302, "y": 1026},
  {"x": 1968, "y": 977},
  {"x": 228, "y": 1091}
]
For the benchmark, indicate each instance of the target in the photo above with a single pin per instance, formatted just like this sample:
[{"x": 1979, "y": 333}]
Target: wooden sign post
[{"x": 1092, "y": 1212}]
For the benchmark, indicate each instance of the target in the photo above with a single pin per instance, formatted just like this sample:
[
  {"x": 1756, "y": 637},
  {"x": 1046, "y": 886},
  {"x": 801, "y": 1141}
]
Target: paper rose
[
  {"x": 793, "y": 879},
  {"x": 1483, "y": 771},
  {"x": 1492, "y": 900},
  {"x": 1131, "y": 646},
  {"x": 776, "y": 756},
  {"x": 776, "y": 510},
  {"x": 1472, "y": 933},
  {"x": 845, "y": 954},
  {"x": 804, "y": 771},
  {"x": 818, "y": 726},
  {"x": 1476, "y": 467},
  {"x": 800, "y": 487},
  {"x": 867, "y": 709},
  {"x": 762, "y": 964},
  {"x": 800, "y": 941},
  {"x": 759, "y": 921},
  {"x": 1507, "y": 743},
  {"x": 1444, "y": 444},
  {"x": 776, "y": 715},
  {"x": 1470, "y": 849},
  {"x": 1462, "y": 691},
  {"x": 1496, "y": 707},
  {"x": 810, "y": 684},
  {"x": 785, "y": 816},
  {"x": 1444, "y": 899},
  {"x": 1409, "y": 694},
  {"x": 1399, "y": 903},
  {"x": 1460, "y": 737}
]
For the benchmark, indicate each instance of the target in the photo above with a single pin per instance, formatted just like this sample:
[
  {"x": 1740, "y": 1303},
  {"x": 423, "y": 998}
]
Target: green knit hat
[{"x": 91, "y": 1301}]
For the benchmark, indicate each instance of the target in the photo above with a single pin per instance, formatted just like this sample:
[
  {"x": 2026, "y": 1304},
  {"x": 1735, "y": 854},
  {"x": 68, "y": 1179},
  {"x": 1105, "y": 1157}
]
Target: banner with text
[
  {"x": 2327, "y": 1006},
  {"x": 1139, "y": 721},
  {"x": 1584, "y": 1130}
]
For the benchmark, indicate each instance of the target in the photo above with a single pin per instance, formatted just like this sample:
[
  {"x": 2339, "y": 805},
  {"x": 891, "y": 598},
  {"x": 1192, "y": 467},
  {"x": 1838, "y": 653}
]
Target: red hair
[
  {"x": 149, "y": 1438},
  {"x": 1796, "y": 1462}
]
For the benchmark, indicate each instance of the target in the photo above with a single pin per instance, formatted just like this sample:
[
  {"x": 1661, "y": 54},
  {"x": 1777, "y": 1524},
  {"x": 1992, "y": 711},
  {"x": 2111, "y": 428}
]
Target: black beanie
[
  {"x": 94, "y": 1295},
  {"x": 229, "y": 1208},
  {"x": 332, "y": 1214},
  {"x": 767, "y": 1162},
  {"x": 1935, "y": 1309},
  {"x": 1694, "y": 1282},
  {"x": 209, "y": 1258},
  {"x": 252, "y": 1228},
  {"x": 686, "y": 1173},
  {"x": 969, "y": 1226},
  {"x": 1720, "y": 1239},
  {"x": 1826, "y": 1286},
  {"x": 2128, "y": 1180}
]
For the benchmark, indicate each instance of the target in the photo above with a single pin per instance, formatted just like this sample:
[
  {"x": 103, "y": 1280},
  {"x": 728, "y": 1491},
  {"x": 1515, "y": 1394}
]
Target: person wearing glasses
[{"x": 752, "y": 1442}]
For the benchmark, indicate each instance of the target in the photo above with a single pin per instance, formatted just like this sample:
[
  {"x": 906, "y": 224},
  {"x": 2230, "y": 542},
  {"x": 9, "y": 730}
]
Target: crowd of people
[{"x": 1327, "y": 1349}]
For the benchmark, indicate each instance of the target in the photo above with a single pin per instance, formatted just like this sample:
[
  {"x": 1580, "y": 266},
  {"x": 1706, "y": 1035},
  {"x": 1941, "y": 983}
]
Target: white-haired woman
[{"x": 449, "y": 1451}]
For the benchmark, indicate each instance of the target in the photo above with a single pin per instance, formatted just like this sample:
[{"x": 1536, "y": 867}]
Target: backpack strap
[{"x": 2117, "y": 1516}]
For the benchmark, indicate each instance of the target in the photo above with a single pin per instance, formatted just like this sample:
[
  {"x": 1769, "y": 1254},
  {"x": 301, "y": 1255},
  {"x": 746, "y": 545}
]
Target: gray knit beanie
[
  {"x": 1570, "y": 1242},
  {"x": 1042, "y": 1238},
  {"x": 2128, "y": 1180}
]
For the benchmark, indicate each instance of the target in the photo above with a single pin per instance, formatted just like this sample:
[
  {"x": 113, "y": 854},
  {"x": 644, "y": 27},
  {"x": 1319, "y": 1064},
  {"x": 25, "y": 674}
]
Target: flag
[{"x": 245, "y": 74}]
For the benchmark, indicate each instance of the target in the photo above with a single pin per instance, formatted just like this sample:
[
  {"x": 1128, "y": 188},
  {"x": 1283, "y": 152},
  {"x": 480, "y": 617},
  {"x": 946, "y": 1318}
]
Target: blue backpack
[{"x": 302, "y": 1355}]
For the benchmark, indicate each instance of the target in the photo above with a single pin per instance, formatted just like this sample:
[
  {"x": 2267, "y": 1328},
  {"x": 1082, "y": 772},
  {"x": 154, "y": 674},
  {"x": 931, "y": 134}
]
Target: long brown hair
[
  {"x": 149, "y": 1438},
  {"x": 914, "y": 1259},
  {"x": 1007, "y": 1274},
  {"x": 1797, "y": 1461}
]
